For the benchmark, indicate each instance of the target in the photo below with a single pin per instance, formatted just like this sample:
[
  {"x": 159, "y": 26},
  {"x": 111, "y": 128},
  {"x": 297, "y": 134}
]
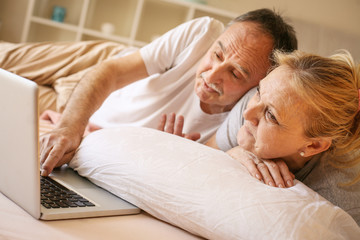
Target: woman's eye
[{"x": 270, "y": 116}]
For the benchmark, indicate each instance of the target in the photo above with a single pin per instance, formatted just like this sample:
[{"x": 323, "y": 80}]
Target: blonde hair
[{"x": 329, "y": 88}]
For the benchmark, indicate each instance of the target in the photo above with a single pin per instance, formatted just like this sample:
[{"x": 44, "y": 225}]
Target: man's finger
[
  {"x": 66, "y": 158},
  {"x": 169, "y": 128},
  {"x": 179, "y": 124},
  {"x": 52, "y": 159},
  {"x": 45, "y": 116},
  {"x": 162, "y": 122},
  {"x": 193, "y": 136}
]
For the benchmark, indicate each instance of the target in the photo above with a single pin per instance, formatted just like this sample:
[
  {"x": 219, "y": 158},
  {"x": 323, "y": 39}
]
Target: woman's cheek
[
  {"x": 245, "y": 140},
  {"x": 264, "y": 145}
]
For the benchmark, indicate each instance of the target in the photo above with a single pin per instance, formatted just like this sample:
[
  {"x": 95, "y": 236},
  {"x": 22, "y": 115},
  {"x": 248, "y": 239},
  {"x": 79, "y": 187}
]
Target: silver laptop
[{"x": 20, "y": 167}]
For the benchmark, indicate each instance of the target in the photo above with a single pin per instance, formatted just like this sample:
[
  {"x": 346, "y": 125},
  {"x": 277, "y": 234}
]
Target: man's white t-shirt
[{"x": 171, "y": 61}]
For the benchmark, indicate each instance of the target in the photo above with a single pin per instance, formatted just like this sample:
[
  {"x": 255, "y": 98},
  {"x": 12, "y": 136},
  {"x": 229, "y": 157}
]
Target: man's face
[{"x": 236, "y": 62}]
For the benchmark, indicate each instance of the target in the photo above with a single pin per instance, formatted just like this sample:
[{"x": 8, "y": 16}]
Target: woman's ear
[{"x": 317, "y": 145}]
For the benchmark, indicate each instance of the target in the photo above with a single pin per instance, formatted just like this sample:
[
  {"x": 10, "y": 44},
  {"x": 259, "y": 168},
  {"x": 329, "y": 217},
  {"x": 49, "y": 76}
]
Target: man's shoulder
[
  {"x": 243, "y": 101},
  {"x": 206, "y": 21},
  {"x": 227, "y": 132},
  {"x": 202, "y": 27}
]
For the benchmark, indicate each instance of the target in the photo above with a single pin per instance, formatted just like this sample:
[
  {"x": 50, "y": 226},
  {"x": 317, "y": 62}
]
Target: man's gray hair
[{"x": 272, "y": 23}]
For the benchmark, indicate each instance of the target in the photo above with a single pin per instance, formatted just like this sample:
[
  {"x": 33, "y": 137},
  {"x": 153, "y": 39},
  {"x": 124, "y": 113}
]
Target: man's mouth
[{"x": 210, "y": 87}]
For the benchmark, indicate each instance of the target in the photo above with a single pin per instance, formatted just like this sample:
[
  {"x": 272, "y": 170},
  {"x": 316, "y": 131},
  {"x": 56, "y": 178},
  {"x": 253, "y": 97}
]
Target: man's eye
[
  {"x": 217, "y": 55},
  {"x": 234, "y": 74},
  {"x": 257, "y": 95}
]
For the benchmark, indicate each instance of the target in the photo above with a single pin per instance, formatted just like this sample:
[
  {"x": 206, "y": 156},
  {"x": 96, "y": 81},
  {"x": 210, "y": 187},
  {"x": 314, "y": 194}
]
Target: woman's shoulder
[{"x": 327, "y": 180}]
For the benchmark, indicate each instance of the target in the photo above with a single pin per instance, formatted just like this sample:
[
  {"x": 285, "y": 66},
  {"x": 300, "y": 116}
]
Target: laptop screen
[{"x": 19, "y": 171}]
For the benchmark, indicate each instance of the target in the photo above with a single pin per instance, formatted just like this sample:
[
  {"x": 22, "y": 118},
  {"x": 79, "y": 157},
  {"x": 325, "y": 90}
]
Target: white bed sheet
[
  {"x": 203, "y": 190},
  {"x": 16, "y": 224}
]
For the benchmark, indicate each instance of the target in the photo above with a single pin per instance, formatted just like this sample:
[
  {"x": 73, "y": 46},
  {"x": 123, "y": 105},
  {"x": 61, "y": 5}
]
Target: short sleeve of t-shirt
[
  {"x": 226, "y": 134},
  {"x": 165, "y": 52}
]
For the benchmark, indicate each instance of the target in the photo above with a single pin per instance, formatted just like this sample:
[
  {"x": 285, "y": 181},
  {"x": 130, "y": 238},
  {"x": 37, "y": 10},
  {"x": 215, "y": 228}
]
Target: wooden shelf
[{"x": 135, "y": 22}]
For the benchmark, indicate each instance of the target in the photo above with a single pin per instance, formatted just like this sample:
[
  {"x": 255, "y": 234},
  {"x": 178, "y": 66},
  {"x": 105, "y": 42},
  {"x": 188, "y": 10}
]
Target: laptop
[{"x": 20, "y": 164}]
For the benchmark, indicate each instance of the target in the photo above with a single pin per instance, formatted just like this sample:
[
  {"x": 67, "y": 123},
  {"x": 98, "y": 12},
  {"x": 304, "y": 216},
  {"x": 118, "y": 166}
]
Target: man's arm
[{"x": 59, "y": 145}]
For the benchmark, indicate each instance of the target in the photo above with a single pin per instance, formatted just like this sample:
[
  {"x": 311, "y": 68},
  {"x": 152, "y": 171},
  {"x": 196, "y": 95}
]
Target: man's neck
[{"x": 214, "y": 109}]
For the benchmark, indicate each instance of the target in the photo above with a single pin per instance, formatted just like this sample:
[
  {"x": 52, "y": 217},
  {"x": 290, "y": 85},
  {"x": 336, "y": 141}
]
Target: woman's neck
[{"x": 296, "y": 163}]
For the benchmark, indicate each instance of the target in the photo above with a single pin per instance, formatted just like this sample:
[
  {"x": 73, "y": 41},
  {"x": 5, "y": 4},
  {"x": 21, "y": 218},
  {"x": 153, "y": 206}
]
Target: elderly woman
[
  {"x": 305, "y": 113},
  {"x": 303, "y": 119},
  {"x": 306, "y": 106}
]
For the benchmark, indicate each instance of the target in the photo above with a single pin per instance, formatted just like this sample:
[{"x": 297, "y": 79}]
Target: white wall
[
  {"x": 339, "y": 14},
  {"x": 322, "y": 26},
  {"x": 12, "y": 15}
]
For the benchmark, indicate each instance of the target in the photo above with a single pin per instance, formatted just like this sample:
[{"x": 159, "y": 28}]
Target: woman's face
[{"x": 274, "y": 120}]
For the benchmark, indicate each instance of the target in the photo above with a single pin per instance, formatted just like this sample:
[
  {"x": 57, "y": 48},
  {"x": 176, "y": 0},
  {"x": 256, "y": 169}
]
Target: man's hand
[
  {"x": 57, "y": 147},
  {"x": 174, "y": 125},
  {"x": 272, "y": 172},
  {"x": 51, "y": 116}
]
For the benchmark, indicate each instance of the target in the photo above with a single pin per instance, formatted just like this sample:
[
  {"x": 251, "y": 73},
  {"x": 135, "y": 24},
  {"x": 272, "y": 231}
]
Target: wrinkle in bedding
[{"x": 203, "y": 190}]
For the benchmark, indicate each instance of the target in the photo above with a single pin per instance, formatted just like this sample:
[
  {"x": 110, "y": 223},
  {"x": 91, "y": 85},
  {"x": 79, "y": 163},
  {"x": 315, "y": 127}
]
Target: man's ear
[{"x": 317, "y": 145}]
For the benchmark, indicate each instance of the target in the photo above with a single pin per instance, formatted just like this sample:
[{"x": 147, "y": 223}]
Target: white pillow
[{"x": 203, "y": 190}]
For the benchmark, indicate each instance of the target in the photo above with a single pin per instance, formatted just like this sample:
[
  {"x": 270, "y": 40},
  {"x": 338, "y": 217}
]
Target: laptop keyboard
[{"x": 55, "y": 195}]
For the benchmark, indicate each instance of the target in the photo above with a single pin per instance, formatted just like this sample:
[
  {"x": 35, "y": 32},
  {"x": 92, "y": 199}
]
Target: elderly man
[{"x": 198, "y": 69}]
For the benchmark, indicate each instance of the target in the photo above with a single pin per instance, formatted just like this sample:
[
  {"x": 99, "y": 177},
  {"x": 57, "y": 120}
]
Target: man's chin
[{"x": 205, "y": 97}]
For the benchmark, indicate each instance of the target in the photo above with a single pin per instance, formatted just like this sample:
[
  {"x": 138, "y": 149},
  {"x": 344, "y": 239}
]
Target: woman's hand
[
  {"x": 271, "y": 172},
  {"x": 174, "y": 125}
]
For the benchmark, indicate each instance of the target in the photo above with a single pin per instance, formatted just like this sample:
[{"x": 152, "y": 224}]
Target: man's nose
[{"x": 216, "y": 74}]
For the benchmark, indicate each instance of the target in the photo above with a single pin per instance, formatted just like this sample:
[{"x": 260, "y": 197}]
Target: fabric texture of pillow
[{"x": 203, "y": 190}]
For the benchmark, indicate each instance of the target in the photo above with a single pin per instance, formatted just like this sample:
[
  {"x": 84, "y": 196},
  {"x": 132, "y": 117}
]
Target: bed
[
  {"x": 15, "y": 223},
  {"x": 185, "y": 190}
]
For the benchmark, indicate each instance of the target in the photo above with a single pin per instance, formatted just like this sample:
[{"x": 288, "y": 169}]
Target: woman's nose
[{"x": 252, "y": 114}]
